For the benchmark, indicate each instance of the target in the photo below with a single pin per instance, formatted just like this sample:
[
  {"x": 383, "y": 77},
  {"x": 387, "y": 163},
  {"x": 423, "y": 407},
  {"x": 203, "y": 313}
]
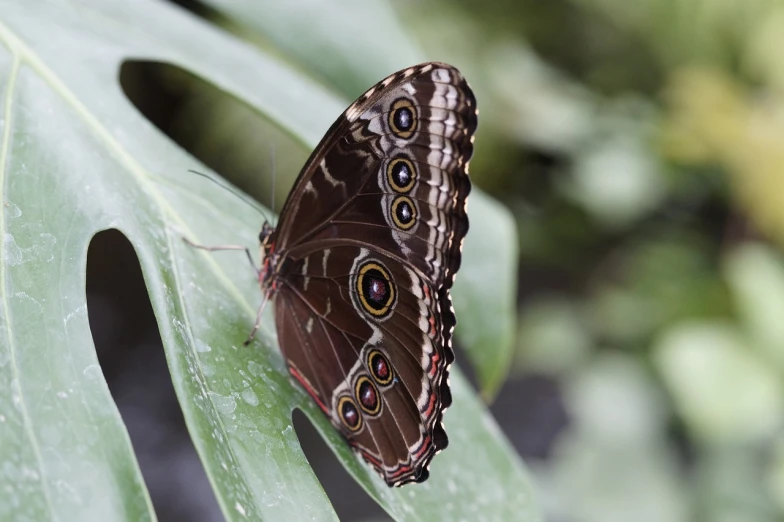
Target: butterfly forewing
[
  {"x": 422, "y": 173},
  {"x": 363, "y": 259}
]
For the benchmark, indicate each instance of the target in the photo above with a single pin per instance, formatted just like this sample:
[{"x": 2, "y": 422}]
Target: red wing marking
[
  {"x": 426, "y": 291},
  {"x": 400, "y": 471},
  {"x": 430, "y": 406},
  {"x": 431, "y": 372},
  {"x": 423, "y": 449},
  {"x": 308, "y": 388},
  {"x": 370, "y": 458},
  {"x": 432, "y": 322}
]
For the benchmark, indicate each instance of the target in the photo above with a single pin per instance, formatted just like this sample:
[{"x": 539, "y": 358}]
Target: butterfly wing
[
  {"x": 369, "y": 242},
  {"x": 404, "y": 186},
  {"x": 365, "y": 336}
]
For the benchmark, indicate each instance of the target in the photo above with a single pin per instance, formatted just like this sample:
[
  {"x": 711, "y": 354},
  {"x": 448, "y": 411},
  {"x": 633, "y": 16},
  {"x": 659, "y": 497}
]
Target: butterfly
[{"x": 362, "y": 260}]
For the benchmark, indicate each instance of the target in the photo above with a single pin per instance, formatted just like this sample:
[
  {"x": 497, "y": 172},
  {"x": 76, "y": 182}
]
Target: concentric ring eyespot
[
  {"x": 379, "y": 368},
  {"x": 375, "y": 289},
  {"x": 403, "y": 118},
  {"x": 349, "y": 413},
  {"x": 401, "y": 175},
  {"x": 404, "y": 212},
  {"x": 367, "y": 395}
]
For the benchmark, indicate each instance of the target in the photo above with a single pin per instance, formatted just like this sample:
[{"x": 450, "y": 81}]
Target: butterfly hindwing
[{"x": 354, "y": 322}]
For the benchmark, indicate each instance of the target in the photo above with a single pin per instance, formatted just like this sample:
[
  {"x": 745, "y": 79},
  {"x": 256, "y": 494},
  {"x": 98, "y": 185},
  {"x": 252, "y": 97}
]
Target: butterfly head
[
  {"x": 266, "y": 231},
  {"x": 267, "y": 247}
]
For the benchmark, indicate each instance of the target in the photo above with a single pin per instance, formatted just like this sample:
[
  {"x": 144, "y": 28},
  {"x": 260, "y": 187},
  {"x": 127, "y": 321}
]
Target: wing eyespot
[
  {"x": 375, "y": 289},
  {"x": 403, "y": 118},
  {"x": 401, "y": 175},
  {"x": 349, "y": 414},
  {"x": 367, "y": 396},
  {"x": 403, "y": 212},
  {"x": 379, "y": 368}
]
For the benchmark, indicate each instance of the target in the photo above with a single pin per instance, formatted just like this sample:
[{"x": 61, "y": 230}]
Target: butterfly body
[{"x": 362, "y": 260}]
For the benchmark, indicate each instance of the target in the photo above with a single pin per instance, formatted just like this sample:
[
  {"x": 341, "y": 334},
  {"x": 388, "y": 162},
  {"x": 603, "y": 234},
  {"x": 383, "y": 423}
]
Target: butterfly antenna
[
  {"x": 272, "y": 206},
  {"x": 240, "y": 195}
]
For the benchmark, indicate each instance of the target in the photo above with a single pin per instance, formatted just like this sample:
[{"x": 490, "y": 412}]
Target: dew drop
[
  {"x": 225, "y": 405},
  {"x": 249, "y": 396}
]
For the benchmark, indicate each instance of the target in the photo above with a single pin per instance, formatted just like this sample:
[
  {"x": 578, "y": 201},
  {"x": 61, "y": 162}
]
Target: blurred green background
[{"x": 640, "y": 148}]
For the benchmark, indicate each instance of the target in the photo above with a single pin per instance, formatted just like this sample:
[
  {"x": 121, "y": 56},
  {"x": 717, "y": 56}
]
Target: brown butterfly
[{"x": 362, "y": 260}]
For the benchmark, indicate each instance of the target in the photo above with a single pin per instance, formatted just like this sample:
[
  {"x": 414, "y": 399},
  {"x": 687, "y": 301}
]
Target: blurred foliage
[{"x": 640, "y": 146}]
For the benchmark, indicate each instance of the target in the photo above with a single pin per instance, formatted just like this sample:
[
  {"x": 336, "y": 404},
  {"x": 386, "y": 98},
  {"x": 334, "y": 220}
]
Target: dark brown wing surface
[{"x": 368, "y": 245}]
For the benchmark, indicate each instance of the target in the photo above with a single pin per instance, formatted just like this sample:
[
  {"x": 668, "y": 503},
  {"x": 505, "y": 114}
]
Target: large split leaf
[{"x": 77, "y": 158}]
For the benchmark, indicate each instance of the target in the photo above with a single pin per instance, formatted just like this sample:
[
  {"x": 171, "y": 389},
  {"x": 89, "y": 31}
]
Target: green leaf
[
  {"x": 731, "y": 487},
  {"x": 77, "y": 158},
  {"x": 611, "y": 462},
  {"x": 305, "y": 31},
  {"x": 775, "y": 474},
  {"x": 756, "y": 276},
  {"x": 724, "y": 391},
  {"x": 552, "y": 338},
  {"x": 485, "y": 289}
]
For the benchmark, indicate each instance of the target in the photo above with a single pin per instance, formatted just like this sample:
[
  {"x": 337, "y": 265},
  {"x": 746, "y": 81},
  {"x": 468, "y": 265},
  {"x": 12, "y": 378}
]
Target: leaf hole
[
  {"x": 529, "y": 409},
  {"x": 133, "y": 362},
  {"x": 223, "y": 132},
  {"x": 532, "y": 414},
  {"x": 350, "y": 501}
]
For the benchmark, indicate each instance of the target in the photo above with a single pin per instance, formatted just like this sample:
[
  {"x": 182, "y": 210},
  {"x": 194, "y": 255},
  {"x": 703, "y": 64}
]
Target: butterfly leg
[
  {"x": 218, "y": 248},
  {"x": 259, "y": 313}
]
